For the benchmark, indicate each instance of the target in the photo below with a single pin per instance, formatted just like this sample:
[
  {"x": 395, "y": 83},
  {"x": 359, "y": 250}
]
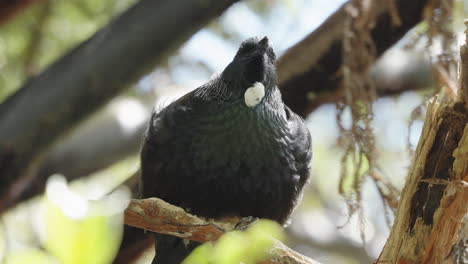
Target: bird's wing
[
  {"x": 166, "y": 121},
  {"x": 165, "y": 142},
  {"x": 301, "y": 143}
]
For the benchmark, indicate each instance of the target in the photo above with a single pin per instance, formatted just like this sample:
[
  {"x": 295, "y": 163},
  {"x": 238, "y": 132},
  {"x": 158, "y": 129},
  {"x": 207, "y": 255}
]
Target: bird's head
[{"x": 253, "y": 64}]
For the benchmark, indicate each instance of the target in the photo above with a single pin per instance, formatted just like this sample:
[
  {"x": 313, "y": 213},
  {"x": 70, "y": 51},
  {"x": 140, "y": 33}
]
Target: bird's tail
[{"x": 171, "y": 249}]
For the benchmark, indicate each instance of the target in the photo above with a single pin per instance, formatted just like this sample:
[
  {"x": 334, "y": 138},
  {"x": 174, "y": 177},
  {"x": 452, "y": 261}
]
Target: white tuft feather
[{"x": 253, "y": 95}]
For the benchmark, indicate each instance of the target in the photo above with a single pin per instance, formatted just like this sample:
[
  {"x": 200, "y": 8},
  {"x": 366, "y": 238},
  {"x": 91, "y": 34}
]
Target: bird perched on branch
[{"x": 229, "y": 148}]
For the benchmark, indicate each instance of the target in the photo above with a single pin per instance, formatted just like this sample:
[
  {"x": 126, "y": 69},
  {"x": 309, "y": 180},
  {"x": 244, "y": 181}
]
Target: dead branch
[
  {"x": 433, "y": 203},
  {"x": 155, "y": 215}
]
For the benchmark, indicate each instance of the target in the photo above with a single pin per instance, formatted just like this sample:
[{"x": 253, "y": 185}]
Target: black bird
[{"x": 229, "y": 148}]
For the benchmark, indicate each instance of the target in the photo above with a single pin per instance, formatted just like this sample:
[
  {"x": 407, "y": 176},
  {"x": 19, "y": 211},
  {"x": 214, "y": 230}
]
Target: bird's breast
[{"x": 242, "y": 140}]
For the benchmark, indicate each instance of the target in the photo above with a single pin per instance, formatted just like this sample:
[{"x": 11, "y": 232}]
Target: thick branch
[
  {"x": 310, "y": 70},
  {"x": 67, "y": 92},
  {"x": 158, "y": 216},
  {"x": 108, "y": 136},
  {"x": 433, "y": 202}
]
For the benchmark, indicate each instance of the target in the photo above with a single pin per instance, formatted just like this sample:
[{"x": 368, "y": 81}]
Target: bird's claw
[{"x": 245, "y": 222}]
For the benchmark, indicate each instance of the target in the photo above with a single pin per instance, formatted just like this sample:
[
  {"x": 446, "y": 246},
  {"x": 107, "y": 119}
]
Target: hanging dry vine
[{"x": 357, "y": 139}]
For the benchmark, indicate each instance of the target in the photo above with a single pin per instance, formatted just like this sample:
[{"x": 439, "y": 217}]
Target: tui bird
[{"x": 228, "y": 148}]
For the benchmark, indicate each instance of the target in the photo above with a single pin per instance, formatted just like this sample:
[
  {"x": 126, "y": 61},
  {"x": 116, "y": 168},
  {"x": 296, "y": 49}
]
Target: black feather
[{"x": 213, "y": 155}]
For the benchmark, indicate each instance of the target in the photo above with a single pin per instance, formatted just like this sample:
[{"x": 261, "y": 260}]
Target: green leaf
[
  {"x": 250, "y": 246},
  {"x": 200, "y": 255},
  {"x": 79, "y": 231}
]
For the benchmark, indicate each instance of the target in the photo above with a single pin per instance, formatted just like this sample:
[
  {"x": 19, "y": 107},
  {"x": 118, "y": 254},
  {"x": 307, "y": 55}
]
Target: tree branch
[
  {"x": 433, "y": 203},
  {"x": 47, "y": 106},
  {"x": 155, "y": 215},
  {"x": 310, "y": 70},
  {"x": 100, "y": 141}
]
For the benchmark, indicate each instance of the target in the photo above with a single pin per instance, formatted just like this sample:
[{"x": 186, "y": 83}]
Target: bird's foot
[{"x": 245, "y": 222}]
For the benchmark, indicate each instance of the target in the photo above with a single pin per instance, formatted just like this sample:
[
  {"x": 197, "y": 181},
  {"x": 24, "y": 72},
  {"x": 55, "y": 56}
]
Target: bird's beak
[{"x": 264, "y": 44}]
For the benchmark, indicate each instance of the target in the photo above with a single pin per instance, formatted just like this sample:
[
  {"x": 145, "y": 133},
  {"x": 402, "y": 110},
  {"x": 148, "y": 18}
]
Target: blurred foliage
[
  {"x": 89, "y": 240},
  {"x": 81, "y": 231},
  {"x": 77, "y": 230},
  {"x": 44, "y": 32},
  {"x": 249, "y": 247},
  {"x": 35, "y": 256}
]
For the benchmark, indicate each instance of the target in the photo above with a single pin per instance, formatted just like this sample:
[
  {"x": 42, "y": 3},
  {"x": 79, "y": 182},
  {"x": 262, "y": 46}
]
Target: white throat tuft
[{"x": 253, "y": 95}]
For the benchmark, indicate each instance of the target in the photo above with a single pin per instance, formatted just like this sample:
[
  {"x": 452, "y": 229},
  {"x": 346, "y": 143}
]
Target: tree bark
[
  {"x": 49, "y": 105},
  {"x": 433, "y": 205},
  {"x": 100, "y": 141},
  {"x": 433, "y": 202}
]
